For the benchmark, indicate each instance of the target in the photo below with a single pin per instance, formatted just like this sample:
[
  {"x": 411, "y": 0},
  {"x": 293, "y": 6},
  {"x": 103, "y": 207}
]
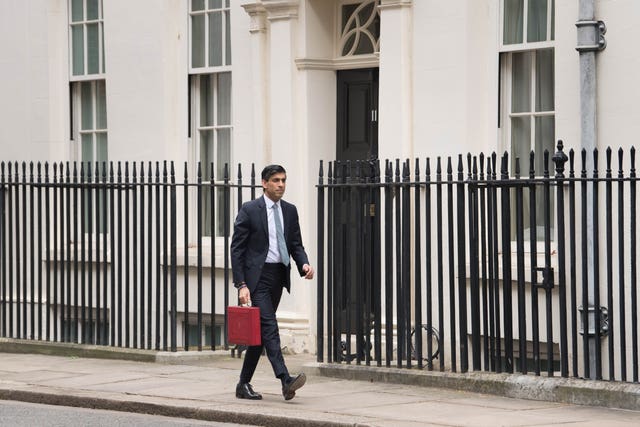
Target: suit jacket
[{"x": 250, "y": 242}]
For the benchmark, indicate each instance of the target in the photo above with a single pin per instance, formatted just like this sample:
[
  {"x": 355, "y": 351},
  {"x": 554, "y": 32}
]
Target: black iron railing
[
  {"x": 93, "y": 253},
  {"x": 484, "y": 268}
]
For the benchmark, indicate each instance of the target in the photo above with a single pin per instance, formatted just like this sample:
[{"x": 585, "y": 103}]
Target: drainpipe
[{"x": 590, "y": 41}]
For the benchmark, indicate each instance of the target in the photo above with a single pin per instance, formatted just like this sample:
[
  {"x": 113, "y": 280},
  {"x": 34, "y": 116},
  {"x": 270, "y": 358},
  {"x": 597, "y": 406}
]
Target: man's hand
[
  {"x": 308, "y": 271},
  {"x": 244, "y": 295}
]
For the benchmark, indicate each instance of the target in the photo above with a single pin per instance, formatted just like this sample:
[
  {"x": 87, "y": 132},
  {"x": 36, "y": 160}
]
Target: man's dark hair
[{"x": 270, "y": 170}]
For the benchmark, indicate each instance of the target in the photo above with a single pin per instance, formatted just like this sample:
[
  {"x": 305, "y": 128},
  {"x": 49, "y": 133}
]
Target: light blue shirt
[{"x": 273, "y": 255}]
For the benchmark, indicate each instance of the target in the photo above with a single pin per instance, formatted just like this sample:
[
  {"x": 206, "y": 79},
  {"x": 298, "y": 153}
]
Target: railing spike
[
  {"x": 545, "y": 166},
  {"x": 532, "y": 164},
  {"x": 571, "y": 162},
  {"x": 620, "y": 161}
]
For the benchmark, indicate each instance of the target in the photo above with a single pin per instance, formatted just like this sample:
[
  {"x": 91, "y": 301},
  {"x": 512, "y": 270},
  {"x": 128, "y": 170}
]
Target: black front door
[{"x": 354, "y": 212}]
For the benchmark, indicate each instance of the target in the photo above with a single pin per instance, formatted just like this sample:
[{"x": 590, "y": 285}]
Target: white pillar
[
  {"x": 396, "y": 84},
  {"x": 283, "y": 115},
  {"x": 259, "y": 77}
]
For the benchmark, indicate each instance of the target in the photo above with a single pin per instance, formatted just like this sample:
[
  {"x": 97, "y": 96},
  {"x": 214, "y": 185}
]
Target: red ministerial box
[{"x": 243, "y": 325}]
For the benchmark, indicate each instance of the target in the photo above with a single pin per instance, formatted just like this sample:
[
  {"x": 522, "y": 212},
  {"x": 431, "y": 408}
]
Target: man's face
[{"x": 274, "y": 187}]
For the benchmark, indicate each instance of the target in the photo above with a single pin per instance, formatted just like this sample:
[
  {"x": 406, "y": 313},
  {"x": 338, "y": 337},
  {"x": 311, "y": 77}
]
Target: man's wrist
[{"x": 241, "y": 285}]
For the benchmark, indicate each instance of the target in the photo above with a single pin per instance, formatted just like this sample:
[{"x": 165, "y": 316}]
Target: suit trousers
[{"x": 266, "y": 296}]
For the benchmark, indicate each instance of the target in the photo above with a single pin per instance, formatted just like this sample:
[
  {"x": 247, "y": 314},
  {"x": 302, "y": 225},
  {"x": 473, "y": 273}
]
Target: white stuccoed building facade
[{"x": 298, "y": 81}]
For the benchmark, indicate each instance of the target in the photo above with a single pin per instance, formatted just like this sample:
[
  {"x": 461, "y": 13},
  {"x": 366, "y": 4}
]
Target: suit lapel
[{"x": 262, "y": 209}]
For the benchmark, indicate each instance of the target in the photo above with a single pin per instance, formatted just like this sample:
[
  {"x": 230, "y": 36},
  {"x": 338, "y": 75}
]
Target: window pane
[
  {"x": 223, "y": 150},
  {"x": 224, "y": 99},
  {"x": 347, "y": 11},
  {"x": 544, "y": 80},
  {"x": 77, "y": 41},
  {"x": 193, "y": 335},
  {"x": 215, "y": 39},
  {"x": 215, "y": 4},
  {"x": 220, "y": 213},
  {"x": 364, "y": 45},
  {"x": 101, "y": 106},
  {"x": 521, "y": 82},
  {"x": 102, "y": 45},
  {"x": 545, "y": 135},
  {"x": 76, "y": 11},
  {"x": 87, "y": 147},
  {"x": 537, "y": 21},
  {"x": 197, "y": 4},
  {"x": 513, "y": 21},
  {"x": 92, "y": 9},
  {"x": 206, "y": 204},
  {"x": 520, "y": 143},
  {"x": 349, "y": 44},
  {"x": 206, "y": 158},
  {"x": 197, "y": 41},
  {"x": 93, "y": 52},
  {"x": 365, "y": 12},
  {"x": 86, "y": 105},
  {"x": 374, "y": 28},
  {"x": 101, "y": 147},
  {"x": 227, "y": 38},
  {"x": 206, "y": 146},
  {"x": 206, "y": 100}
]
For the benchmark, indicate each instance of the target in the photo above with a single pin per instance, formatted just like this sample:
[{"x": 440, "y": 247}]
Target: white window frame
[
  {"x": 196, "y": 76},
  {"x": 207, "y": 69},
  {"x": 525, "y": 45},
  {"x": 196, "y": 156},
  {"x": 339, "y": 43},
  {"x": 507, "y": 115},
  {"x": 85, "y": 45},
  {"x": 77, "y": 131},
  {"x": 506, "y": 52}
]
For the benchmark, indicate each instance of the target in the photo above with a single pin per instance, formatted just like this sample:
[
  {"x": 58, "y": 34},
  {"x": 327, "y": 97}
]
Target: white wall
[
  {"x": 32, "y": 80},
  {"x": 618, "y": 68},
  {"x": 146, "y": 99},
  {"x": 454, "y": 77}
]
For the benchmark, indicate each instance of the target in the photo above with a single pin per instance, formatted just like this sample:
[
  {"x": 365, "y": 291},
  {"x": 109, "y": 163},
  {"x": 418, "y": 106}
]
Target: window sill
[{"x": 190, "y": 260}]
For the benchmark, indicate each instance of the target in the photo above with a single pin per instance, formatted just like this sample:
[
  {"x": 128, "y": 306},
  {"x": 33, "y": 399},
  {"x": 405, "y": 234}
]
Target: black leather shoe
[
  {"x": 292, "y": 384},
  {"x": 245, "y": 391}
]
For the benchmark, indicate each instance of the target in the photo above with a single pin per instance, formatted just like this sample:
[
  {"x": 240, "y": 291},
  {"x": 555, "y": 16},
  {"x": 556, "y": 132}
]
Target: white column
[
  {"x": 395, "y": 93},
  {"x": 259, "y": 80},
  {"x": 283, "y": 115}
]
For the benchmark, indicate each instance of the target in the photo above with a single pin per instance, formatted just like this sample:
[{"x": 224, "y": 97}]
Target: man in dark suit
[{"x": 266, "y": 234}]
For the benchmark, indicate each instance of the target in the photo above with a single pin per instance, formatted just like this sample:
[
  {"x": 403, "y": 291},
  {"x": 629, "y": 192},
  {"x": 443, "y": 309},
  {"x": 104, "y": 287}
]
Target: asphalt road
[{"x": 18, "y": 414}]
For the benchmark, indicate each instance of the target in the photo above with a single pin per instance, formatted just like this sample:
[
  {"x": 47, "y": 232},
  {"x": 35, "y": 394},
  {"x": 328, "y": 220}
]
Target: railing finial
[{"x": 560, "y": 158}]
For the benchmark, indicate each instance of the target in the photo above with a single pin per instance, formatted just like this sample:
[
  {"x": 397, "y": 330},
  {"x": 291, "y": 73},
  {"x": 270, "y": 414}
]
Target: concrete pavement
[{"x": 203, "y": 388}]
